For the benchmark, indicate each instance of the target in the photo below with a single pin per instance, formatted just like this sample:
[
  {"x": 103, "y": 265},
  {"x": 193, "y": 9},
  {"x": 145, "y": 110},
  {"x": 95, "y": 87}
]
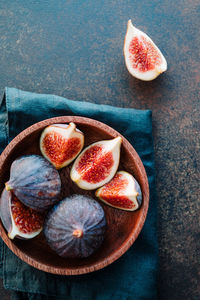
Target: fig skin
[
  {"x": 12, "y": 211},
  {"x": 96, "y": 164},
  {"x": 34, "y": 181},
  {"x": 61, "y": 143},
  {"x": 75, "y": 227},
  {"x": 148, "y": 64},
  {"x": 122, "y": 192},
  {"x": 5, "y": 210}
]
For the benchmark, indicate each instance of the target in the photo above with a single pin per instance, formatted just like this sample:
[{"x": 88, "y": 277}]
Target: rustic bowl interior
[{"x": 123, "y": 227}]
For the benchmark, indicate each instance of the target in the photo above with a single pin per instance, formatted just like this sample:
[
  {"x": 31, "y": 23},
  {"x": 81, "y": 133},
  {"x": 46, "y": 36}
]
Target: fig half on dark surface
[
  {"x": 75, "y": 227},
  {"x": 143, "y": 58},
  {"x": 34, "y": 181},
  {"x": 19, "y": 220}
]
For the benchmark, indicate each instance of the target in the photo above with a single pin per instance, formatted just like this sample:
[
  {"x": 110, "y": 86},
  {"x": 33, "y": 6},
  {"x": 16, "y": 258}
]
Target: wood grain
[{"x": 123, "y": 227}]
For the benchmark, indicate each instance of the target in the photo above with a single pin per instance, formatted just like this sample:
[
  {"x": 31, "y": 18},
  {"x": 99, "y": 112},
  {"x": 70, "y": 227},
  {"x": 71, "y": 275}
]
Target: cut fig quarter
[
  {"x": 61, "y": 143},
  {"x": 96, "y": 164},
  {"x": 122, "y": 192},
  {"x": 142, "y": 57},
  {"x": 19, "y": 220}
]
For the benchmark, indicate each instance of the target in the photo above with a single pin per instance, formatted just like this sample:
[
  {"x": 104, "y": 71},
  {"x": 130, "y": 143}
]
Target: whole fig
[
  {"x": 34, "y": 181},
  {"x": 75, "y": 227}
]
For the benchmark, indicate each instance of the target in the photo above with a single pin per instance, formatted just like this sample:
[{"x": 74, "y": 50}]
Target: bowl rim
[{"x": 134, "y": 233}]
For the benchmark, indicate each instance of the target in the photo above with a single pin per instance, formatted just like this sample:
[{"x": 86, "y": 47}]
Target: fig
[
  {"x": 122, "y": 192},
  {"x": 142, "y": 57},
  {"x": 75, "y": 226},
  {"x": 61, "y": 143},
  {"x": 97, "y": 164},
  {"x": 34, "y": 181},
  {"x": 19, "y": 220}
]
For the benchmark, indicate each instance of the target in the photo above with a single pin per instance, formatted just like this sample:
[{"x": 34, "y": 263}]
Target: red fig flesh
[
  {"x": 142, "y": 57},
  {"x": 123, "y": 192},
  {"x": 61, "y": 143},
  {"x": 97, "y": 164},
  {"x": 19, "y": 220}
]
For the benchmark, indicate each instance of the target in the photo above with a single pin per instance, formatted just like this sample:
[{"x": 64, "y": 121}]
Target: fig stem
[
  {"x": 78, "y": 233},
  {"x": 11, "y": 234},
  {"x": 72, "y": 125},
  {"x": 8, "y": 187}
]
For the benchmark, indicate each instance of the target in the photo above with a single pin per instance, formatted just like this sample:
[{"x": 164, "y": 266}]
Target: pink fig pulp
[
  {"x": 122, "y": 192},
  {"x": 19, "y": 220},
  {"x": 61, "y": 143},
  {"x": 97, "y": 164},
  {"x": 143, "y": 58}
]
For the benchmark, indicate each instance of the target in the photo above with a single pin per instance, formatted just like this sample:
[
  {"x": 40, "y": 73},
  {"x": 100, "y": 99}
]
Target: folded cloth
[{"x": 133, "y": 276}]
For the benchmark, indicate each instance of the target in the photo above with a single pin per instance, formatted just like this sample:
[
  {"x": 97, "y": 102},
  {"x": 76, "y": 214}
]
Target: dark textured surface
[{"x": 74, "y": 49}]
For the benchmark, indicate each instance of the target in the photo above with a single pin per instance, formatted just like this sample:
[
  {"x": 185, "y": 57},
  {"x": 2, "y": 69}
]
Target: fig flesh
[
  {"x": 122, "y": 192},
  {"x": 19, "y": 220},
  {"x": 34, "y": 181},
  {"x": 75, "y": 227},
  {"x": 142, "y": 57},
  {"x": 61, "y": 143},
  {"x": 97, "y": 164}
]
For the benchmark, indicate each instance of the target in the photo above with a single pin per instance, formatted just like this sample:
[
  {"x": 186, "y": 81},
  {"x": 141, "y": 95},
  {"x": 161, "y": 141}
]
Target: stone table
[{"x": 74, "y": 49}]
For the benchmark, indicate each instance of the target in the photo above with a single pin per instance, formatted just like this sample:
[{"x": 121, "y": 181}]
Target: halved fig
[
  {"x": 122, "y": 192},
  {"x": 142, "y": 57},
  {"x": 19, "y": 220},
  {"x": 61, "y": 143},
  {"x": 34, "y": 181},
  {"x": 97, "y": 164}
]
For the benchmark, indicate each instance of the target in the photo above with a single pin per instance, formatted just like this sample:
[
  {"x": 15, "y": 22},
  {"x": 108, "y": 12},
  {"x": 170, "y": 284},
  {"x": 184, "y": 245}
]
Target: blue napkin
[{"x": 133, "y": 276}]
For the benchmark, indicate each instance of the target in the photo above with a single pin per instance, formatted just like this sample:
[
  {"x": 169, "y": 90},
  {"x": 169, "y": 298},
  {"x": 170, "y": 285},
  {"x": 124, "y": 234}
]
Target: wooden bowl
[{"x": 123, "y": 227}]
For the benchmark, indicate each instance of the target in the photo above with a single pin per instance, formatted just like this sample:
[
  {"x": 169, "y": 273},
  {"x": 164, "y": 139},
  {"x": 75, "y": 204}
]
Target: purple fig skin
[
  {"x": 35, "y": 182},
  {"x": 75, "y": 227},
  {"x": 138, "y": 190},
  {"x": 5, "y": 209}
]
